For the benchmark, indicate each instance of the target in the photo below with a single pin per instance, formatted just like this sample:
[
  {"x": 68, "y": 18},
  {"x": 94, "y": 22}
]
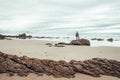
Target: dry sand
[{"x": 38, "y": 49}]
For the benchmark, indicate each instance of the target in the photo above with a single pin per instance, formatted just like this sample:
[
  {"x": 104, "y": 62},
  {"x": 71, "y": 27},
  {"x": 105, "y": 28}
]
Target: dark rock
[
  {"x": 78, "y": 68},
  {"x": 57, "y": 37},
  {"x": 2, "y": 37},
  {"x": 49, "y": 44},
  {"x": 98, "y": 39},
  {"x": 110, "y": 39},
  {"x": 62, "y": 43},
  {"x": 94, "y": 39},
  {"x": 91, "y": 73},
  {"x": 64, "y": 71},
  {"x": 59, "y": 45},
  {"x": 81, "y": 42},
  {"x": 56, "y": 45},
  {"x": 22, "y": 36}
]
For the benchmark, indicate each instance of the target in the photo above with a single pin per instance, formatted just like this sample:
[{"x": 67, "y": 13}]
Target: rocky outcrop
[
  {"x": 20, "y": 36},
  {"x": 55, "y": 45},
  {"x": 2, "y": 37},
  {"x": 98, "y": 39},
  {"x": 110, "y": 39},
  {"x": 24, "y": 65},
  {"x": 82, "y": 42},
  {"x": 59, "y": 45},
  {"x": 63, "y": 43}
]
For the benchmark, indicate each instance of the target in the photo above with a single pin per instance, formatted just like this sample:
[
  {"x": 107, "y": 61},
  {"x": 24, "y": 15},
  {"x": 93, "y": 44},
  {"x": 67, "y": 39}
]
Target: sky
[{"x": 58, "y": 15}]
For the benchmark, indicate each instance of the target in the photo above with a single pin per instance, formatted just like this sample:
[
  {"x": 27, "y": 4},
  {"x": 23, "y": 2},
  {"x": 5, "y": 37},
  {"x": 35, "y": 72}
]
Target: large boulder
[
  {"x": 22, "y": 36},
  {"x": 81, "y": 42}
]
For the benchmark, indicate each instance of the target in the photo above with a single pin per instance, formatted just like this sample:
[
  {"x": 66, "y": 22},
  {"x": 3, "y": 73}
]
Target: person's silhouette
[{"x": 77, "y": 36}]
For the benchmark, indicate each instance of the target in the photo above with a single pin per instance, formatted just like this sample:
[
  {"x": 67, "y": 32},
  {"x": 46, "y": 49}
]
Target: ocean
[
  {"x": 71, "y": 36},
  {"x": 67, "y": 35}
]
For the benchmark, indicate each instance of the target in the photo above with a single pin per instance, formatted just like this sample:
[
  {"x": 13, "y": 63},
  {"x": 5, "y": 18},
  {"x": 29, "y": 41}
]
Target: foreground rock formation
[{"x": 24, "y": 65}]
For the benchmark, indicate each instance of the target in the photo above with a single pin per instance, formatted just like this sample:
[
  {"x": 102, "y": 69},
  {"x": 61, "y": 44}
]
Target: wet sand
[{"x": 45, "y": 77}]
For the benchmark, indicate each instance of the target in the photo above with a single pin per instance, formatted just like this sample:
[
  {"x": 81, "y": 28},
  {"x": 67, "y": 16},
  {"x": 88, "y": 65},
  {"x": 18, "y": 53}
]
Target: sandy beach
[
  {"x": 35, "y": 77},
  {"x": 38, "y": 49},
  {"x": 59, "y": 39}
]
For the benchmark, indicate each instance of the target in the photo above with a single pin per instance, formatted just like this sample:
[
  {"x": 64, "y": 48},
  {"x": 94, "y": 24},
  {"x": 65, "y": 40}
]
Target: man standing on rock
[{"x": 77, "y": 36}]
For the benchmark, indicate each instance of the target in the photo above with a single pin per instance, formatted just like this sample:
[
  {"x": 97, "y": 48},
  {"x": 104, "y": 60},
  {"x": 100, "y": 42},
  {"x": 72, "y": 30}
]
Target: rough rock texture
[
  {"x": 80, "y": 42},
  {"x": 24, "y": 65}
]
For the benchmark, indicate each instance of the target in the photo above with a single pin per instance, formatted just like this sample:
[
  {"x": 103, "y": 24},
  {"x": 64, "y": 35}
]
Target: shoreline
[{"x": 95, "y": 41}]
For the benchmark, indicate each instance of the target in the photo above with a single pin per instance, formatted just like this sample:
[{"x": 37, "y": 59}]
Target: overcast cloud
[{"x": 85, "y": 15}]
